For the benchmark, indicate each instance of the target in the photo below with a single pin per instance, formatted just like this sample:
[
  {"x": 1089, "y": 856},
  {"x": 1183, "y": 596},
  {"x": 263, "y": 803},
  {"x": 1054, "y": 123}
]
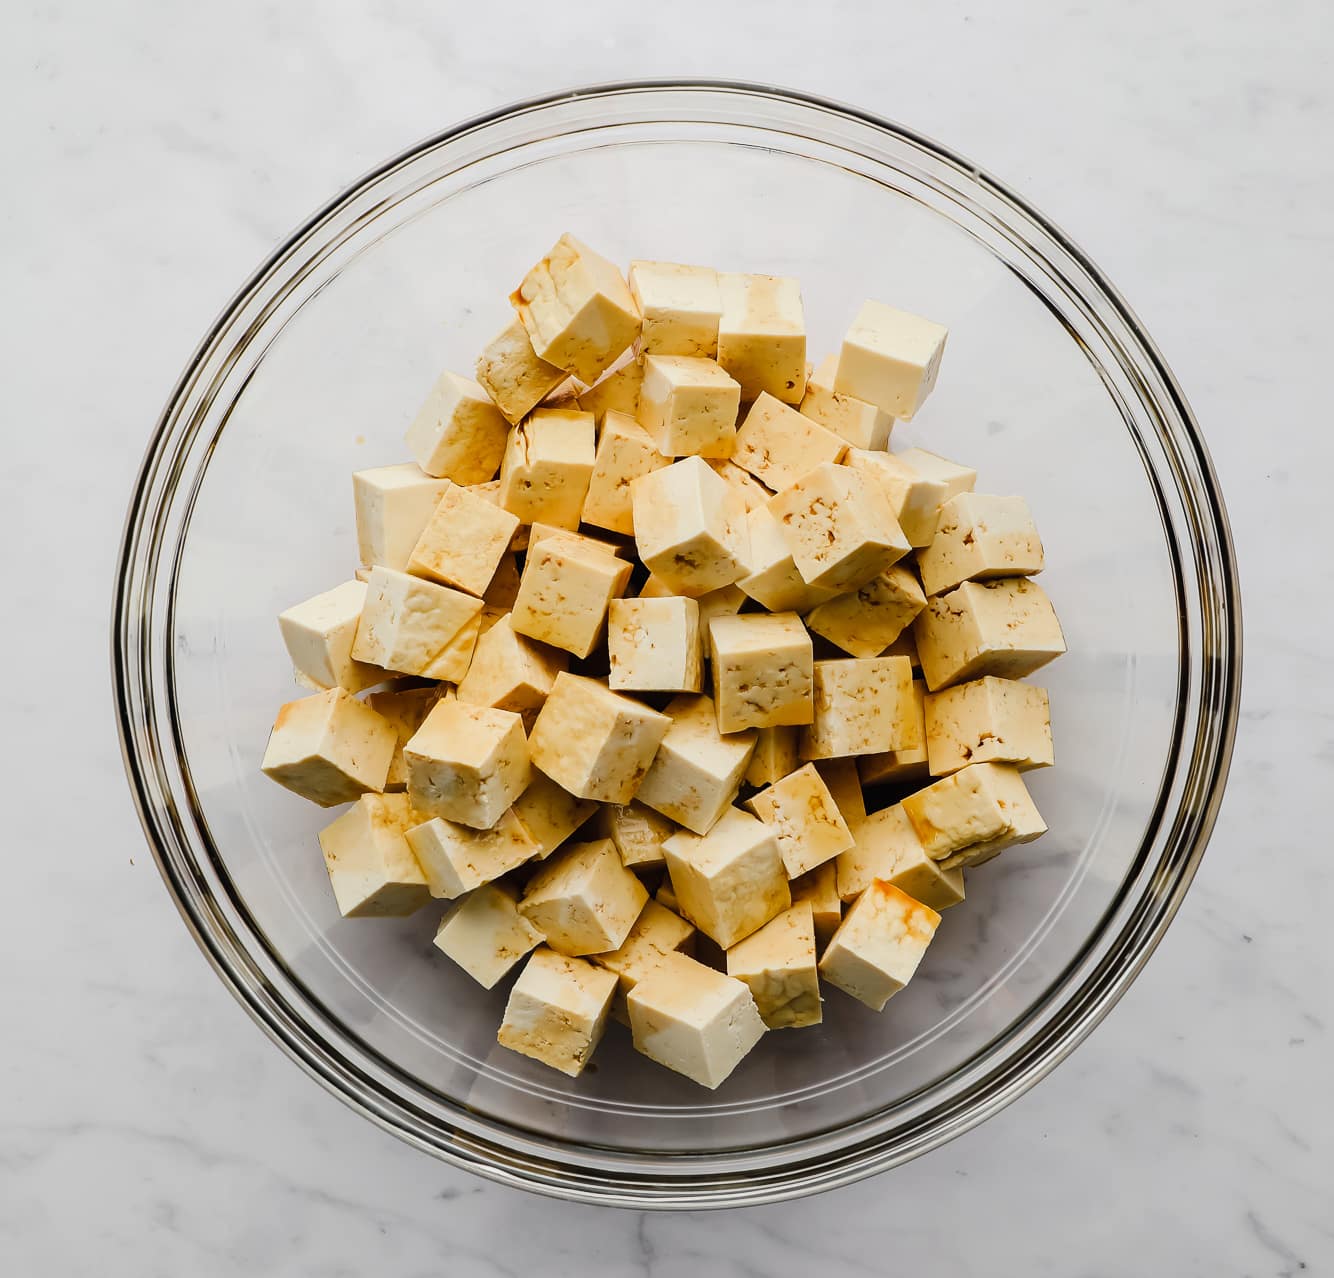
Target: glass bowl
[{"x": 1049, "y": 387}]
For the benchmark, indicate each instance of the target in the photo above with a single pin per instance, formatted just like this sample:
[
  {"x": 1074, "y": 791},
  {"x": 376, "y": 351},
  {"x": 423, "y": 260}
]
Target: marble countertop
[{"x": 147, "y": 1127}]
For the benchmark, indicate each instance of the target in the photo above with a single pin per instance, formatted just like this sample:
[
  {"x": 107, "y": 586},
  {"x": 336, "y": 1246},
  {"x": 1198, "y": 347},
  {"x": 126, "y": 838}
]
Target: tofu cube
[
  {"x": 565, "y": 591},
  {"x": 654, "y": 645},
  {"x": 319, "y": 635},
  {"x": 509, "y": 671},
  {"x": 819, "y": 889},
  {"x": 416, "y": 627},
  {"x": 513, "y": 373},
  {"x": 971, "y": 815},
  {"x": 762, "y": 667},
  {"x": 485, "y": 934},
  {"x": 805, "y": 820},
  {"x": 690, "y": 528},
  {"x": 657, "y": 931},
  {"x": 861, "y": 424},
  {"x": 775, "y": 755},
  {"x": 392, "y": 505},
  {"x": 979, "y": 536},
  {"x": 557, "y": 1010},
  {"x": 371, "y": 867},
  {"x": 463, "y": 542},
  {"x": 625, "y": 452},
  {"x": 933, "y": 468},
  {"x": 840, "y": 775},
  {"x": 908, "y": 763},
  {"x": 914, "y": 498},
  {"x": 329, "y": 748},
  {"x": 773, "y": 580},
  {"x": 863, "y": 705},
  {"x": 458, "y": 433},
  {"x": 728, "y": 882},
  {"x": 593, "y": 742},
  {"x": 778, "y": 964},
  {"x": 890, "y": 358},
  {"x": 583, "y": 900},
  {"x": 406, "y": 709},
  {"x": 753, "y": 493},
  {"x": 1006, "y": 628},
  {"x": 778, "y": 445},
  {"x": 762, "y": 335},
  {"x": 577, "y": 309},
  {"x": 548, "y": 464},
  {"x": 693, "y": 1020},
  {"x": 616, "y": 392},
  {"x": 838, "y": 527},
  {"x": 879, "y": 944},
  {"x": 550, "y": 813},
  {"x": 689, "y": 406},
  {"x": 989, "y": 720},
  {"x": 504, "y": 588},
  {"x": 867, "y": 620},
  {"x": 457, "y": 859},
  {"x": 638, "y": 833},
  {"x": 697, "y": 771},
  {"x": 467, "y": 763},
  {"x": 888, "y": 848},
  {"x": 681, "y": 307}
]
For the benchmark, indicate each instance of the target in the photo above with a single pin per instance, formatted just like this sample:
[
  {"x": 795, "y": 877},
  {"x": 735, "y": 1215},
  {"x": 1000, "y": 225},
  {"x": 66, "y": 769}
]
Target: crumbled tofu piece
[
  {"x": 583, "y": 900},
  {"x": 697, "y": 771},
  {"x": 806, "y": 821},
  {"x": 861, "y": 424},
  {"x": 753, "y": 493},
  {"x": 657, "y": 931},
  {"x": 989, "y": 720},
  {"x": 329, "y": 748},
  {"x": 406, "y": 709},
  {"x": 577, "y": 309},
  {"x": 463, "y": 541},
  {"x": 458, "y": 433},
  {"x": 392, "y": 505},
  {"x": 467, "y": 763},
  {"x": 485, "y": 934},
  {"x": 778, "y": 445},
  {"x": 514, "y": 375},
  {"x": 654, "y": 645},
  {"x": 979, "y": 536},
  {"x": 914, "y": 499},
  {"x": 773, "y": 581},
  {"x": 932, "y": 468},
  {"x": 557, "y": 1010},
  {"x": 863, "y": 705},
  {"x": 625, "y": 452},
  {"x": 371, "y": 868},
  {"x": 1006, "y": 627},
  {"x": 908, "y": 763},
  {"x": 730, "y": 881},
  {"x": 616, "y": 392},
  {"x": 509, "y": 671},
  {"x": 693, "y": 1020},
  {"x": 879, "y": 944},
  {"x": 638, "y": 833},
  {"x": 593, "y": 742},
  {"x": 319, "y": 634},
  {"x": 547, "y": 467},
  {"x": 690, "y": 527},
  {"x": 979, "y": 806},
  {"x": 775, "y": 755},
  {"x": 550, "y": 813},
  {"x": 416, "y": 627},
  {"x": 819, "y": 889},
  {"x": 762, "y": 335},
  {"x": 838, "y": 527},
  {"x": 888, "y": 848},
  {"x": 778, "y": 964},
  {"x": 565, "y": 591},
  {"x": 867, "y": 620},
  {"x": 457, "y": 859},
  {"x": 689, "y": 406},
  {"x": 680, "y": 305},
  {"x": 890, "y": 358},
  {"x": 762, "y": 670}
]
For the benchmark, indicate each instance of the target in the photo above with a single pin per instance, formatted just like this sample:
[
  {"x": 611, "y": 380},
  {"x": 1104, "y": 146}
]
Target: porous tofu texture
[
  {"x": 890, "y": 358},
  {"x": 371, "y": 867},
  {"x": 654, "y": 645},
  {"x": 557, "y": 1010},
  {"x": 989, "y": 720},
  {"x": 329, "y": 748},
  {"x": 416, "y": 627},
  {"x": 879, "y": 944},
  {"x": 779, "y": 445},
  {"x": 463, "y": 542},
  {"x": 457, "y": 859},
  {"x": 865, "y": 621},
  {"x": 680, "y": 305},
  {"x": 805, "y": 820},
  {"x": 778, "y": 964},
  {"x": 888, "y": 848},
  {"x": 625, "y": 451},
  {"x": 638, "y": 833},
  {"x": 971, "y": 815},
  {"x": 319, "y": 633},
  {"x": 762, "y": 665},
  {"x": 458, "y": 433},
  {"x": 392, "y": 505},
  {"x": 689, "y": 406},
  {"x": 861, "y": 424},
  {"x": 485, "y": 934},
  {"x": 862, "y": 705},
  {"x": 773, "y": 581},
  {"x": 583, "y": 900},
  {"x": 980, "y": 535},
  {"x": 514, "y": 375},
  {"x": 567, "y": 585},
  {"x": 547, "y": 467},
  {"x": 762, "y": 335}
]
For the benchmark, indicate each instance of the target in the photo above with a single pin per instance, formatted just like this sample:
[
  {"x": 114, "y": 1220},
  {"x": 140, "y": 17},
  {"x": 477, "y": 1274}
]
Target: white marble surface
[{"x": 146, "y": 1127}]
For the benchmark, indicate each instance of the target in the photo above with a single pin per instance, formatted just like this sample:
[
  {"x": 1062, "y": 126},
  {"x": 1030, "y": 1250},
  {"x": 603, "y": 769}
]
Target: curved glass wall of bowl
[{"x": 1048, "y": 387}]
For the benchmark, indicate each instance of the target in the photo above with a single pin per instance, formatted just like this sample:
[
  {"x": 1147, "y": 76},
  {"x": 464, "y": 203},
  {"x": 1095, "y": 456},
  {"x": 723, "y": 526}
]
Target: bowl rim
[{"x": 604, "y": 1181}]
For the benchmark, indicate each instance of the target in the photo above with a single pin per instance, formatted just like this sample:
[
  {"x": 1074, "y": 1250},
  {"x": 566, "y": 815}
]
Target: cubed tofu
[
  {"x": 697, "y": 771},
  {"x": 319, "y": 634},
  {"x": 550, "y": 813},
  {"x": 547, "y": 467},
  {"x": 514, "y": 375},
  {"x": 657, "y": 931},
  {"x": 616, "y": 392},
  {"x": 762, "y": 335},
  {"x": 863, "y": 705},
  {"x": 666, "y": 897},
  {"x": 1006, "y": 628},
  {"x": 806, "y": 821},
  {"x": 819, "y": 889},
  {"x": 458, "y": 433},
  {"x": 565, "y": 591},
  {"x": 879, "y": 944},
  {"x": 392, "y": 505},
  {"x": 840, "y": 775},
  {"x": 595, "y": 743},
  {"x": 693, "y": 1020},
  {"x": 329, "y": 748},
  {"x": 371, "y": 867},
  {"x": 638, "y": 833},
  {"x": 888, "y": 848},
  {"x": 625, "y": 452},
  {"x": 867, "y": 620},
  {"x": 838, "y": 527},
  {"x": 989, "y": 720},
  {"x": 762, "y": 666},
  {"x": 457, "y": 859},
  {"x": 773, "y": 580},
  {"x": 654, "y": 645},
  {"x": 980, "y": 536},
  {"x": 509, "y": 671},
  {"x": 463, "y": 541},
  {"x": 467, "y": 763},
  {"x": 908, "y": 763},
  {"x": 778, "y": 964},
  {"x": 905, "y": 646},
  {"x": 416, "y": 627},
  {"x": 485, "y": 934},
  {"x": 971, "y": 815},
  {"x": 730, "y": 881},
  {"x": 861, "y": 424},
  {"x": 406, "y": 709},
  {"x": 753, "y": 493},
  {"x": 775, "y": 755},
  {"x": 504, "y": 588},
  {"x": 778, "y": 445},
  {"x": 935, "y": 469},
  {"x": 583, "y": 900},
  {"x": 557, "y": 1010},
  {"x": 577, "y": 309},
  {"x": 539, "y": 532},
  {"x": 915, "y": 499},
  {"x": 680, "y": 306},
  {"x": 890, "y": 358},
  {"x": 689, "y": 406}
]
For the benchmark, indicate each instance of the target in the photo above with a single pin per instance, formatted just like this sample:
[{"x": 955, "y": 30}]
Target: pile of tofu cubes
[{"x": 644, "y": 619}]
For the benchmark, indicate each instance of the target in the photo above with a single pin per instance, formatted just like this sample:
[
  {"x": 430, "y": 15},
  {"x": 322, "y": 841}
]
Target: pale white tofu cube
[
  {"x": 914, "y": 498},
  {"x": 890, "y": 358},
  {"x": 778, "y": 445},
  {"x": 654, "y": 645},
  {"x": 773, "y": 580},
  {"x": 980, "y": 535},
  {"x": 557, "y": 1010},
  {"x": 319, "y": 634},
  {"x": 485, "y": 934},
  {"x": 616, "y": 392},
  {"x": 908, "y": 763},
  {"x": 989, "y": 720},
  {"x": 457, "y": 859},
  {"x": 406, "y": 709},
  {"x": 819, "y": 889},
  {"x": 371, "y": 867},
  {"x": 657, "y": 931},
  {"x": 680, "y": 305},
  {"x": 392, "y": 505},
  {"x": 806, "y": 821},
  {"x": 550, "y": 813},
  {"x": 509, "y": 671},
  {"x": 863, "y": 705},
  {"x": 861, "y": 424},
  {"x": 638, "y": 833},
  {"x": 583, "y": 900},
  {"x": 971, "y": 815},
  {"x": 867, "y": 620},
  {"x": 762, "y": 335},
  {"x": 935, "y": 469},
  {"x": 416, "y": 627},
  {"x": 726, "y": 601},
  {"x": 778, "y": 964},
  {"x": 463, "y": 542},
  {"x": 547, "y": 467},
  {"x": 888, "y": 848},
  {"x": 539, "y": 532},
  {"x": 689, "y": 406},
  {"x": 879, "y": 944},
  {"x": 329, "y": 748},
  {"x": 467, "y": 763},
  {"x": 625, "y": 452},
  {"x": 775, "y": 755},
  {"x": 514, "y": 375},
  {"x": 567, "y": 585},
  {"x": 762, "y": 666},
  {"x": 458, "y": 433},
  {"x": 753, "y": 493}
]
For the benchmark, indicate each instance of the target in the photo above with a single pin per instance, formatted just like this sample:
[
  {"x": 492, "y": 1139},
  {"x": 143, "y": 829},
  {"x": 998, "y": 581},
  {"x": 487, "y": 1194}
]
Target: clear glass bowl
[{"x": 1049, "y": 387}]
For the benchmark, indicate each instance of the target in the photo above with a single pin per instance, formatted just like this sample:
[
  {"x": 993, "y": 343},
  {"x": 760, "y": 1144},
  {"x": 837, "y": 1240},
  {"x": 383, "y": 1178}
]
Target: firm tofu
[
  {"x": 657, "y": 931},
  {"x": 778, "y": 964},
  {"x": 863, "y": 705},
  {"x": 458, "y": 433},
  {"x": 888, "y": 848},
  {"x": 762, "y": 666},
  {"x": 989, "y": 720},
  {"x": 503, "y": 590},
  {"x": 697, "y": 771},
  {"x": 775, "y": 755},
  {"x": 565, "y": 591},
  {"x": 865, "y": 621},
  {"x": 979, "y": 536},
  {"x": 638, "y": 833},
  {"x": 1006, "y": 628},
  {"x": 861, "y": 424},
  {"x": 625, "y": 452},
  {"x": 593, "y": 742},
  {"x": 779, "y": 445},
  {"x": 818, "y": 888},
  {"x": 971, "y": 815},
  {"x": 753, "y": 493},
  {"x": 578, "y": 310},
  {"x": 728, "y": 882},
  {"x": 371, "y": 868},
  {"x": 392, "y": 505},
  {"x": 463, "y": 542},
  {"x": 914, "y": 498},
  {"x": 514, "y": 375},
  {"x": 840, "y": 775},
  {"x": 583, "y": 900},
  {"x": 934, "y": 468},
  {"x": 838, "y": 527},
  {"x": 557, "y": 1011},
  {"x": 457, "y": 859},
  {"x": 509, "y": 671},
  {"x": 762, "y": 335},
  {"x": 654, "y": 645},
  {"x": 550, "y": 813},
  {"x": 908, "y": 763},
  {"x": 890, "y": 358},
  {"x": 467, "y": 763},
  {"x": 693, "y": 1020},
  {"x": 319, "y": 633},
  {"x": 329, "y": 748},
  {"x": 485, "y": 934},
  {"x": 616, "y": 392},
  {"x": 879, "y": 944},
  {"x": 689, "y": 406},
  {"x": 773, "y": 580},
  {"x": 681, "y": 307},
  {"x": 416, "y": 627},
  {"x": 406, "y": 709},
  {"x": 547, "y": 467},
  {"x": 805, "y": 820}
]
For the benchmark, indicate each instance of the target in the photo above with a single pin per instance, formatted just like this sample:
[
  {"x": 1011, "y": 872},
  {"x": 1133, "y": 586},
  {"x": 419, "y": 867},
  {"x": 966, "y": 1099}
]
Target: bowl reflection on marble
[{"x": 1049, "y": 387}]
